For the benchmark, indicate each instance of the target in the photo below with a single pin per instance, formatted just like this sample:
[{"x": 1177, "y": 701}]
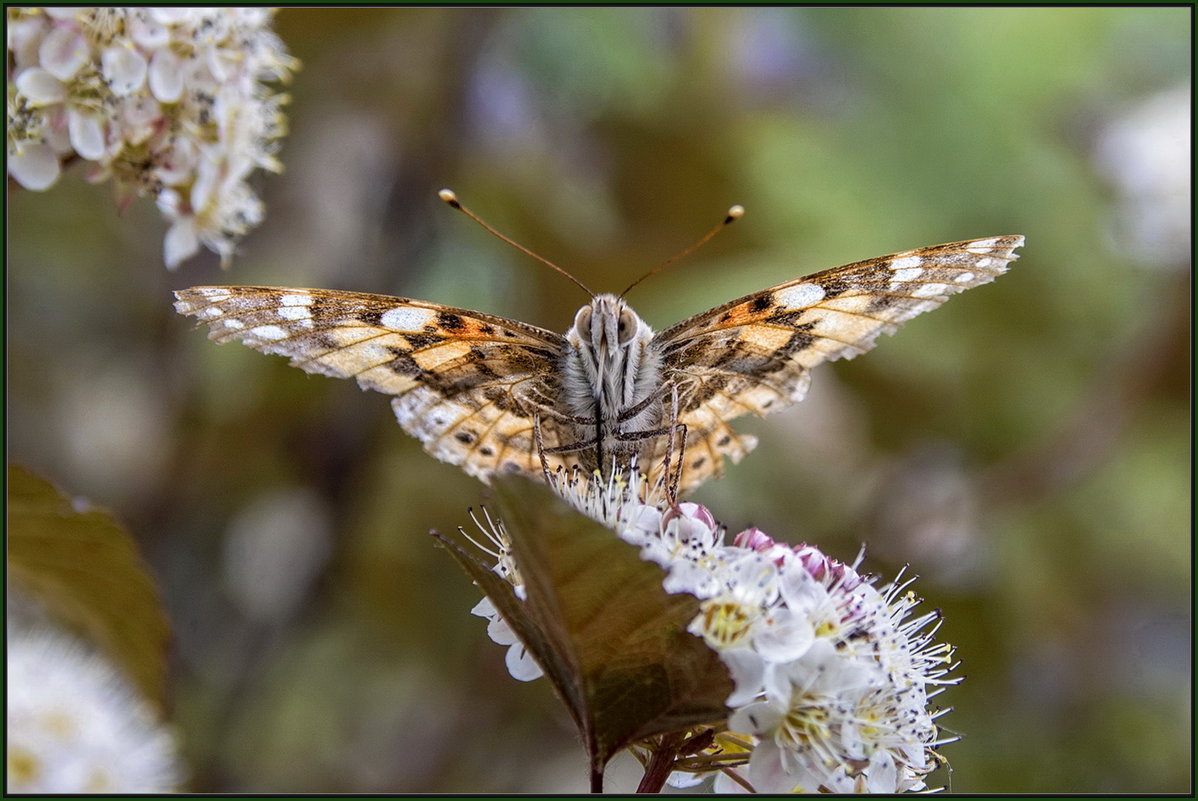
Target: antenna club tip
[
  {"x": 449, "y": 197},
  {"x": 734, "y": 214}
]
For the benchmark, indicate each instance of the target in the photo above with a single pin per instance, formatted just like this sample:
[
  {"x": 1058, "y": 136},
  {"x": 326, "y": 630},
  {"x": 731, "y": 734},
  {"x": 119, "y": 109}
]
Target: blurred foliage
[
  {"x": 1026, "y": 448},
  {"x": 78, "y": 564}
]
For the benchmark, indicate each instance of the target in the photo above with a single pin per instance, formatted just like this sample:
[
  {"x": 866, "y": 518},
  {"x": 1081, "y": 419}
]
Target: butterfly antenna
[
  {"x": 451, "y": 200},
  {"x": 734, "y": 214}
]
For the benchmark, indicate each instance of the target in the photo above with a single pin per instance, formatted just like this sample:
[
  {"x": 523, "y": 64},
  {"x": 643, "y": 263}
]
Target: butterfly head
[
  {"x": 609, "y": 339},
  {"x": 607, "y": 327}
]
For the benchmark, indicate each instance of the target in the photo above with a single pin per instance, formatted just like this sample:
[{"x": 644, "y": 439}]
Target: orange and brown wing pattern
[
  {"x": 467, "y": 385},
  {"x": 755, "y": 354}
]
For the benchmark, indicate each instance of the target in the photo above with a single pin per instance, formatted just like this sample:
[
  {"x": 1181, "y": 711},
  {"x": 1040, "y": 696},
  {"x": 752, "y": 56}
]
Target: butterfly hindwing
[
  {"x": 476, "y": 389},
  {"x": 467, "y": 385},
  {"x": 755, "y": 354}
]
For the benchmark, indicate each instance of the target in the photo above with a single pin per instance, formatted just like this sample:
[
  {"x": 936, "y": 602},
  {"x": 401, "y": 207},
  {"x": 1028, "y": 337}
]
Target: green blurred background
[{"x": 1026, "y": 448}]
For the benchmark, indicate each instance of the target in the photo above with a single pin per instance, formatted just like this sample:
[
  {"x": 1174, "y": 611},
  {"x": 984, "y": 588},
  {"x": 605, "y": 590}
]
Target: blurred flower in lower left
[{"x": 76, "y": 726}]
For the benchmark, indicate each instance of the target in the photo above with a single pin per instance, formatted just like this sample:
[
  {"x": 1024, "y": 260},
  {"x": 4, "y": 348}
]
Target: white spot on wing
[
  {"x": 214, "y": 293},
  {"x": 288, "y": 312},
  {"x": 919, "y": 308},
  {"x": 234, "y": 325},
  {"x": 799, "y": 295},
  {"x": 906, "y": 263},
  {"x": 982, "y": 245},
  {"x": 296, "y": 300},
  {"x": 272, "y": 332},
  {"x": 407, "y": 318},
  {"x": 928, "y": 290},
  {"x": 965, "y": 277},
  {"x": 906, "y": 274}
]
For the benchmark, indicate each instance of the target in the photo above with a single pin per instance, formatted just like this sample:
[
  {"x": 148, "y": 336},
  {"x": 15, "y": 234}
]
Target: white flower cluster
[
  {"x": 519, "y": 661},
  {"x": 75, "y": 726},
  {"x": 832, "y": 677},
  {"x": 170, "y": 102}
]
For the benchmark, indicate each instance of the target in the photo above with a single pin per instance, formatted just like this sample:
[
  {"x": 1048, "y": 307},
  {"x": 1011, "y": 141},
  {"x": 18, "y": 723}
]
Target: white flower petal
[
  {"x": 140, "y": 117},
  {"x": 182, "y": 242},
  {"x": 521, "y": 664},
  {"x": 757, "y": 718},
  {"x": 62, "y": 12},
  {"x": 723, "y": 785},
  {"x": 799, "y": 589},
  {"x": 222, "y": 63},
  {"x": 204, "y": 188},
  {"x": 748, "y": 673},
  {"x": 63, "y": 52},
  {"x": 169, "y": 203},
  {"x": 767, "y": 770},
  {"x": 783, "y": 636},
  {"x": 24, "y": 37},
  {"x": 500, "y": 632},
  {"x": 166, "y": 76},
  {"x": 777, "y": 681},
  {"x": 882, "y": 773},
  {"x": 124, "y": 69},
  {"x": 147, "y": 32},
  {"x": 40, "y": 86},
  {"x": 87, "y": 135},
  {"x": 34, "y": 166},
  {"x": 57, "y": 135},
  {"x": 682, "y": 779},
  {"x": 484, "y": 608},
  {"x": 175, "y": 15},
  {"x": 76, "y": 724}
]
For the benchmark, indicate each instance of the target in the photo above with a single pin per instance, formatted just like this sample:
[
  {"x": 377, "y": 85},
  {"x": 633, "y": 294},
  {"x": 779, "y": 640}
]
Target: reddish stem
[{"x": 660, "y": 765}]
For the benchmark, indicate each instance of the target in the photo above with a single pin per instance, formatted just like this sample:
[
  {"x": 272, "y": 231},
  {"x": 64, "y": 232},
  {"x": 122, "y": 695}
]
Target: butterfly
[{"x": 497, "y": 396}]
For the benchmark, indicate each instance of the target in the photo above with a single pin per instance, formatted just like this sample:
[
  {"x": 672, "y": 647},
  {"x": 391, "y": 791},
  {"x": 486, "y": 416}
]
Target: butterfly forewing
[
  {"x": 754, "y": 354},
  {"x": 467, "y": 385},
  {"x": 476, "y": 389}
]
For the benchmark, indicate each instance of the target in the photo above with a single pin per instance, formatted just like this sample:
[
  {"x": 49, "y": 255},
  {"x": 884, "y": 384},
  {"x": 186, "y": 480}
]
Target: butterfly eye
[
  {"x": 625, "y": 327},
  {"x": 582, "y": 322}
]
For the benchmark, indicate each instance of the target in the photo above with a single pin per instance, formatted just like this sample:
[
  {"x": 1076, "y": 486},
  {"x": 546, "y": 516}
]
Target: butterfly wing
[
  {"x": 755, "y": 353},
  {"x": 467, "y": 385}
]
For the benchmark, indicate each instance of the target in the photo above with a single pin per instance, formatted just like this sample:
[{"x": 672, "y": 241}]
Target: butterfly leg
[
  {"x": 670, "y": 431},
  {"x": 572, "y": 447},
  {"x": 680, "y": 429},
  {"x": 632, "y": 411},
  {"x": 562, "y": 417},
  {"x": 540, "y": 445}
]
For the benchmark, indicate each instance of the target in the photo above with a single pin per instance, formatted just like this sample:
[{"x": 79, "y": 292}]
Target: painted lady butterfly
[{"x": 500, "y": 396}]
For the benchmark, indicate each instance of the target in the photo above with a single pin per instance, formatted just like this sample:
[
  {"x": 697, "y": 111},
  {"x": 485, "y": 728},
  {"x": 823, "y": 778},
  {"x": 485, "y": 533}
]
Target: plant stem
[
  {"x": 597, "y": 779},
  {"x": 658, "y": 769}
]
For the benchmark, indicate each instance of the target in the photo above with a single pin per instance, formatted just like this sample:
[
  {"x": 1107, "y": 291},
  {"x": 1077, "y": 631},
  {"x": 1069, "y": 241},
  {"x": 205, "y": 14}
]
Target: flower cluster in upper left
[{"x": 175, "y": 103}]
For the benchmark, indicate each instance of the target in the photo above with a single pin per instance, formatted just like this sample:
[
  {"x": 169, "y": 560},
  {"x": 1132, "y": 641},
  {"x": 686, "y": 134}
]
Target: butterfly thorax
[{"x": 611, "y": 370}]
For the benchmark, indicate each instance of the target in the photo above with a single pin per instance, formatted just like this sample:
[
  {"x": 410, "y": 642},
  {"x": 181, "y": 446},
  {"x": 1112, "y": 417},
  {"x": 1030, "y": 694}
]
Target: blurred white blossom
[
  {"x": 520, "y": 663},
  {"x": 174, "y": 103},
  {"x": 1146, "y": 152},
  {"x": 833, "y": 676},
  {"x": 76, "y": 726}
]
